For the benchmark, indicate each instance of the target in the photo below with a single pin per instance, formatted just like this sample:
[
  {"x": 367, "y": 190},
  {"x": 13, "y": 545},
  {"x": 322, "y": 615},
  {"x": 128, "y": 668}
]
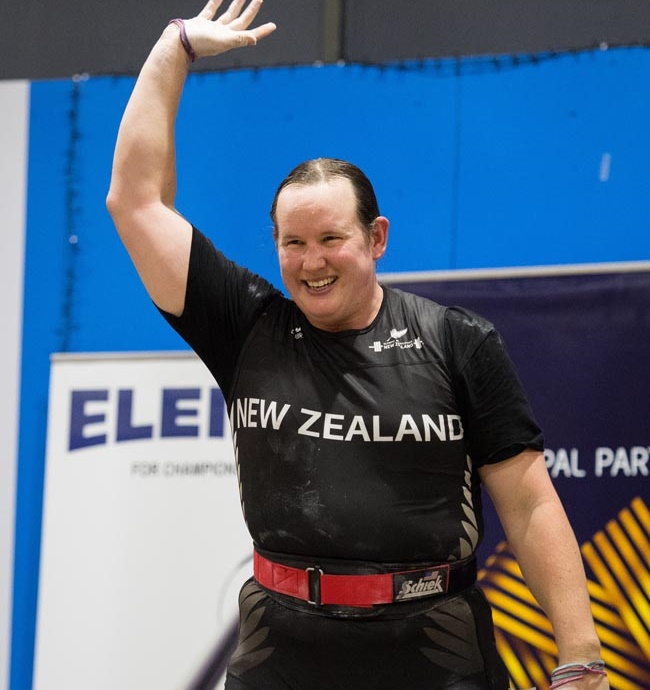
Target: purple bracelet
[{"x": 185, "y": 41}]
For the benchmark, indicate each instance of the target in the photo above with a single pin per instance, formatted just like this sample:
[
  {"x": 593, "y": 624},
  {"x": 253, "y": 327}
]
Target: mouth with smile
[{"x": 319, "y": 285}]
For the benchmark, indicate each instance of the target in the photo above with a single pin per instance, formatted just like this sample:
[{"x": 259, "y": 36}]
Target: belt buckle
[{"x": 314, "y": 574}]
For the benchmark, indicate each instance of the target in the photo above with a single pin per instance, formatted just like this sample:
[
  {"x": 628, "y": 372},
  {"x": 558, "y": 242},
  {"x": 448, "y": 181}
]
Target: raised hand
[{"x": 210, "y": 36}]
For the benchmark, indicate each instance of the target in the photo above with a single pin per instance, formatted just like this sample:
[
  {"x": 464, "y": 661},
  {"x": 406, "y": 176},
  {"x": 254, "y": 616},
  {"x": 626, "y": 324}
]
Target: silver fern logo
[{"x": 395, "y": 341}]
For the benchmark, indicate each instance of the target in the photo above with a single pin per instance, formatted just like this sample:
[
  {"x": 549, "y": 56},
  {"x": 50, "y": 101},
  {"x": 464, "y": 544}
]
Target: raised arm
[
  {"x": 143, "y": 182},
  {"x": 541, "y": 538}
]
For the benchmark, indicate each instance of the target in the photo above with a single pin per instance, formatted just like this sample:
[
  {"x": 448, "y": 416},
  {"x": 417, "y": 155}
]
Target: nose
[{"x": 313, "y": 258}]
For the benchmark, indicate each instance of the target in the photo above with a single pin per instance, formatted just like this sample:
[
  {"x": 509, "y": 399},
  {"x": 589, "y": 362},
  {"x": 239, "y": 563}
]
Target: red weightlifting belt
[{"x": 313, "y": 585}]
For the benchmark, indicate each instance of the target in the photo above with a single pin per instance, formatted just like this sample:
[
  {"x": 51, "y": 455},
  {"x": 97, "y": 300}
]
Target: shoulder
[
  {"x": 210, "y": 269},
  {"x": 461, "y": 321},
  {"x": 468, "y": 334},
  {"x": 458, "y": 322},
  {"x": 461, "y": 332},
  {"x": 412, "y": 303}
]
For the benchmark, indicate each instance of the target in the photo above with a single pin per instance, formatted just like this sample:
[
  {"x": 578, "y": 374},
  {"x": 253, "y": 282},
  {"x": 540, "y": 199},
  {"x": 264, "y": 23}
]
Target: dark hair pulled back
[{"x": 325, "y": 169}]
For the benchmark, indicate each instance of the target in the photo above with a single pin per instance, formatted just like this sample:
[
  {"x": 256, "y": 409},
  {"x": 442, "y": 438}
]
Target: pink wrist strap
[
  {"x": 185, "y": 41},
  {"x": 568, "y": 673}
]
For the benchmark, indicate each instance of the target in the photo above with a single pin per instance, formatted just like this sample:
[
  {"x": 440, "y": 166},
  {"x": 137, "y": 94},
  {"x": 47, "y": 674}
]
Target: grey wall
[
  {"x": 44, "y": 40},
  {"x": 382, "y": 30}
]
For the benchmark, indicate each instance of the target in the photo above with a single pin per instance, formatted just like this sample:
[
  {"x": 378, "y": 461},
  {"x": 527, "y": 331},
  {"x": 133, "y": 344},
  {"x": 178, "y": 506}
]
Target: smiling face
[{"x": 327, "y": 258}]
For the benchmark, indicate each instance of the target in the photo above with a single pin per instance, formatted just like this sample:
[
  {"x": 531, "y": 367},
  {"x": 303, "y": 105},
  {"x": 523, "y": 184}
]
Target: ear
[{"x": 379, "y": 237}]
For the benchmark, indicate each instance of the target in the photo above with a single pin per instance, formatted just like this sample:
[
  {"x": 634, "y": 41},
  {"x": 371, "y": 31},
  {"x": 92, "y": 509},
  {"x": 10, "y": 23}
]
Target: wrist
[
  {"x": 583, "y": 654},
  {"x": 171, "y": 42},
  {"x": 184, "y": 40},
  {"x": 568, "y": 674}
]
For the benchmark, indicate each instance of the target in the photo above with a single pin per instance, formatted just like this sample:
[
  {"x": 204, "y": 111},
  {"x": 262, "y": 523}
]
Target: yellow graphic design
[{"x": 617, "y": 560}]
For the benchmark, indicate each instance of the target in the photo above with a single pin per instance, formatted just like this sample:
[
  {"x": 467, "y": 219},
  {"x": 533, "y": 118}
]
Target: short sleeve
[
  {"x": 497, "y": 417},
  {"x": 222, "y": 303}
]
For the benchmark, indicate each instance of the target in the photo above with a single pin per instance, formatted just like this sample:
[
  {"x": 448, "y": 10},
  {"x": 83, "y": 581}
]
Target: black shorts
[{"x": 442, "y": 642}]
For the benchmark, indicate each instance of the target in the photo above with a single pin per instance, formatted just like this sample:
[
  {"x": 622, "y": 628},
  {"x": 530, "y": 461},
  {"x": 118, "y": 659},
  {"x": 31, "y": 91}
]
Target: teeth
[{"x": 320, "y": 283}]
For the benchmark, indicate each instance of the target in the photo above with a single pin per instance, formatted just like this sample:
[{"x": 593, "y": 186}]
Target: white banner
[
  {"x": 144, "y": 546},
  {"x": 14, "y": 121}
]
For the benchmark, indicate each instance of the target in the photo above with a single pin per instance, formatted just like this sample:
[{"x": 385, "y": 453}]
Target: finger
[
  {"x": 240, "y": 39},
  {"x": 248, "y": 15},
  {"x": 263, "y": 31},
  {"x": 210, "y": 9},
  {"x": 232, "y": 12}
]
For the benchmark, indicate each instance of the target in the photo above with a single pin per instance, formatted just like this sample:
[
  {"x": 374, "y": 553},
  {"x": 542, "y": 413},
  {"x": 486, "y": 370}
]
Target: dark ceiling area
[{"x": 40, "y": 40}]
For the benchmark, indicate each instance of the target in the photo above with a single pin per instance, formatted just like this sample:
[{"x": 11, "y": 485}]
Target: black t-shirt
[{"x": 359, "y": 444}]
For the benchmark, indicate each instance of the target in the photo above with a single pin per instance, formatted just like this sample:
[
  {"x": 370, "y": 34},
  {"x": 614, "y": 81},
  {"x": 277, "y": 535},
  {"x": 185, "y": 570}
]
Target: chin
[{"x": 323, "y": 320}]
